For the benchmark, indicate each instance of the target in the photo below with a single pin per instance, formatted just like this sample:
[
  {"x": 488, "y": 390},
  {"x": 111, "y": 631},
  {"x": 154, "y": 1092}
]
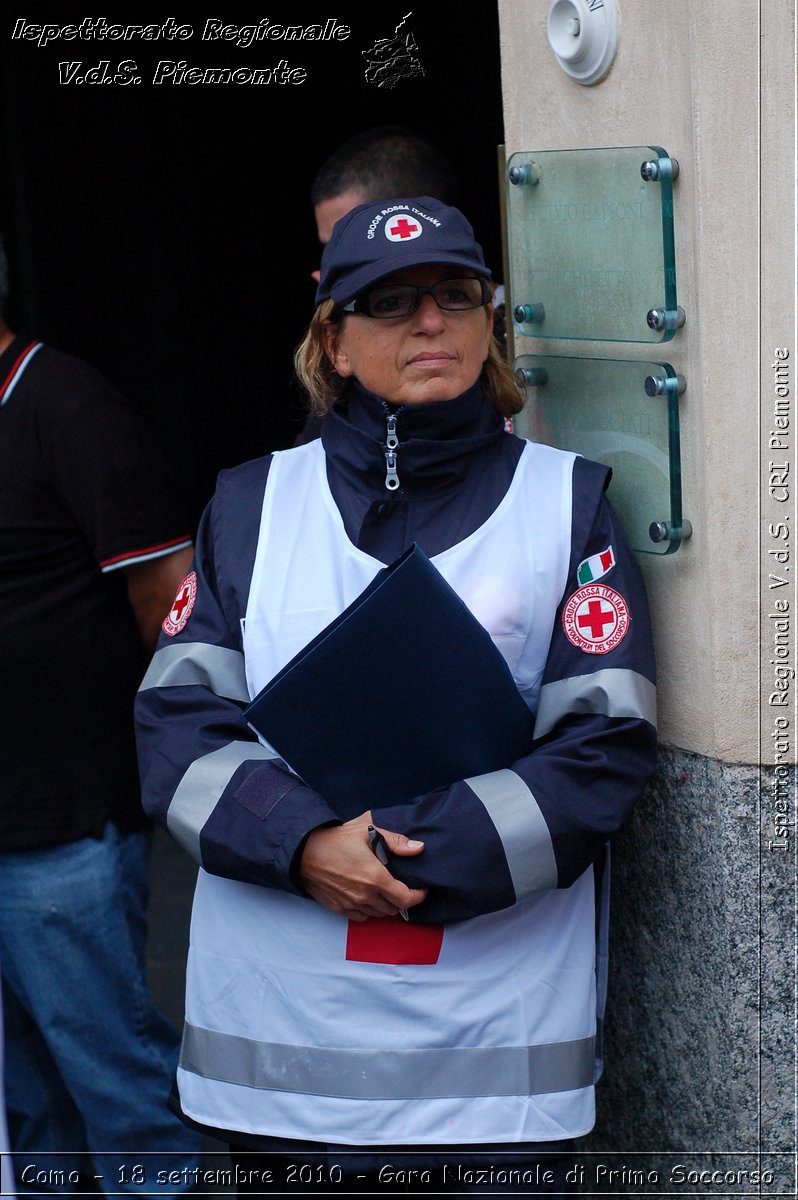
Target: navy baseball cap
[{"x": 375, "y": 239}]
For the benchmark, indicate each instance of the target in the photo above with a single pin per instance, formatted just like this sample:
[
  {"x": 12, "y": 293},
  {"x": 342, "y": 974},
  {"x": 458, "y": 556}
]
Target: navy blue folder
[{"x": 402, "y": 693}]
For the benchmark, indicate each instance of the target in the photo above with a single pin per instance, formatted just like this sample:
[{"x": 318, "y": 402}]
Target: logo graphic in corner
[
  {"x": 180, "y": 611},
  {"x": 393, "y": 60},
  {"x": 591, "y": 569},
  {"x": 596, "y": 619},
  {"x": 402, "y": 228}
]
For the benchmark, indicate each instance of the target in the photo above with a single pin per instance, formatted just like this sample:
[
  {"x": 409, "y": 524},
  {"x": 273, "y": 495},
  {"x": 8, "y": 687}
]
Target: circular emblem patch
[
  {"x": 596, "y": 619},
  {"x": 180, "y": 611},
  {"x": 402, "y": 228}
]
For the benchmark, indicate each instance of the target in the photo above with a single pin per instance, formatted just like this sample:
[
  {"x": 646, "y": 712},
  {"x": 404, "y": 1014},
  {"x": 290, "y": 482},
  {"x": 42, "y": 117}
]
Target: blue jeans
[{"x": 88, "y": 1059}]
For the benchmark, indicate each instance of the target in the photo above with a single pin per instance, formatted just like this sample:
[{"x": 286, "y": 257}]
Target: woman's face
[{"x": 433, "y": 354}]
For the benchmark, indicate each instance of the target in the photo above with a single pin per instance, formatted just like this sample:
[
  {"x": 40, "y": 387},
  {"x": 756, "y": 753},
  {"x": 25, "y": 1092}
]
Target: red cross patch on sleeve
[
  {"x": 596, "y": 619},
  {"x": 180, "y": 611}
]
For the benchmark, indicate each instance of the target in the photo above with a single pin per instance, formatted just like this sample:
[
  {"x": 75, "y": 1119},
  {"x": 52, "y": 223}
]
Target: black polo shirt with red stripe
[{"x": 84, "y": 493}]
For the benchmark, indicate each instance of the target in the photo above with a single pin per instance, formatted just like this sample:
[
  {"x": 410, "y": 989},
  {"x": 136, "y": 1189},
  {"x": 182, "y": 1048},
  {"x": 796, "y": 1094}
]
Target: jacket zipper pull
[{"x": 391, "y": 447}]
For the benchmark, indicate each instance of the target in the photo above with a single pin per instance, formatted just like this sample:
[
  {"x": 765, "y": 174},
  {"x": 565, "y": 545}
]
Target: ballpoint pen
[{"x": 380, "y": 848}]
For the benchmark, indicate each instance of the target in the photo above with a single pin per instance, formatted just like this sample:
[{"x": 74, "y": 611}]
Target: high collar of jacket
[{"x": 440, "y": 443}]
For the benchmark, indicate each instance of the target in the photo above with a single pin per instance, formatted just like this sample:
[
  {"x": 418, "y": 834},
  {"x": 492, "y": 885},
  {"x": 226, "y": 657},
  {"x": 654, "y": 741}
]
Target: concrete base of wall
[{"x": 700, "y": 1038}]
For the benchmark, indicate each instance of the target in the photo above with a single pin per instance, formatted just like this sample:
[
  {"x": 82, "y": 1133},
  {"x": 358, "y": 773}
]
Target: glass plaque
[
  {"x": 624, "y": 414},
  {"x": 590, "y": 244}
]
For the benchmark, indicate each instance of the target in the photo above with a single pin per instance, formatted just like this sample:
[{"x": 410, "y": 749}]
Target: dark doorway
[{"x": 163, "y": 230}]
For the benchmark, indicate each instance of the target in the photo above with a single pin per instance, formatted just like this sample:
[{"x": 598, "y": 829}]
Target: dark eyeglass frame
[{"x": 360, "y": 304}]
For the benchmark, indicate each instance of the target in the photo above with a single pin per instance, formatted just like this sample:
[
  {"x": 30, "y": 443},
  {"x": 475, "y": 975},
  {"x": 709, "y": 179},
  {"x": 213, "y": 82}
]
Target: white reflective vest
[{"x": 302, "y": 1025}]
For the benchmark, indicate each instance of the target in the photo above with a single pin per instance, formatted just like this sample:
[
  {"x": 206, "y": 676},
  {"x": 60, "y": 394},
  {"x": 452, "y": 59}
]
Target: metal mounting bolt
[
  {"x": 529, "y": 314},
  {"x": 662, "y": 531},
  {"x": 532, "y": 376},
  {"x": 665, "y": 318},
  {"x": 526, "y": 173},
  {"x": 651, "y": 170},
  {"x": 655, "y": 385}
]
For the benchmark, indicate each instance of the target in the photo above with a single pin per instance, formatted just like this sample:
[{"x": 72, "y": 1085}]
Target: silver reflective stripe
[
  {"x": 388, "y": 1074},
  {"x": 615, "y": 693},
  {"x": 602, "y": 959},
  {"x": 199, "y": 791},
  {"x": 188, "y": 663},
  {"x": 522, "y": 828}
]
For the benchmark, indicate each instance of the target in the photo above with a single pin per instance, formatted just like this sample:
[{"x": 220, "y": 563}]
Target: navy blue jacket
[{"x": 249, "y": 817}]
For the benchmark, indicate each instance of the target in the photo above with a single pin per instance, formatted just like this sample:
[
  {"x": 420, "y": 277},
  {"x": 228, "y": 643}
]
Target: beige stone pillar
[{"x": 700, "y": 1040}]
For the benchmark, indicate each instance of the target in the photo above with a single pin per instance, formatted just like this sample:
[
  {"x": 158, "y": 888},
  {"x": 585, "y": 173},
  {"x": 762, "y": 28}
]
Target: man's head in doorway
[{"x": 378, "y": 163}]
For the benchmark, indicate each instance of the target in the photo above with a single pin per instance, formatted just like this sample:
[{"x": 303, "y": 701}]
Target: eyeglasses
[{"x": 390, "y": 301}]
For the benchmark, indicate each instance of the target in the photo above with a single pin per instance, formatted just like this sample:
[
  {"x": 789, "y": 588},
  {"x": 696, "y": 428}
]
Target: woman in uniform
[{"x": 323, "y": 1029}]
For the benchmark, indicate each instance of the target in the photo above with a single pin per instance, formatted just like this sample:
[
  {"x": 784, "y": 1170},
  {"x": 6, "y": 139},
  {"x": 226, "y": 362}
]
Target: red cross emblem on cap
[
  {"x": 402, "y": 229},
  {"x": 596, "y": 619}
]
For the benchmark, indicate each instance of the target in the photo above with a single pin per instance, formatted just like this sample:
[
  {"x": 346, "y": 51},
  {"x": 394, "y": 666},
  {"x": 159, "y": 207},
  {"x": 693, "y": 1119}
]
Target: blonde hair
[{"x": 324, "y": 385}]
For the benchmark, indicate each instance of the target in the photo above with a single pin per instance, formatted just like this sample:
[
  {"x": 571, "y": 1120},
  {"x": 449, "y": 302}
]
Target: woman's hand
[{"x": 340, "y": 871}]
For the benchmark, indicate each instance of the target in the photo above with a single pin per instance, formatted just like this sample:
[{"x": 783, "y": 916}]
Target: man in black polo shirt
[{"x": 92, "y": 550}]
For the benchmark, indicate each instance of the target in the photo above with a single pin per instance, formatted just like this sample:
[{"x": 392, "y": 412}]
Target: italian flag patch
[{"x": 591, "y": 569}]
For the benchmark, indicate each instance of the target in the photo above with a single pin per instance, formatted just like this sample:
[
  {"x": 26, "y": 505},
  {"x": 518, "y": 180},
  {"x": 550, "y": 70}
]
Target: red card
[{"x": 393, "y": 940}]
